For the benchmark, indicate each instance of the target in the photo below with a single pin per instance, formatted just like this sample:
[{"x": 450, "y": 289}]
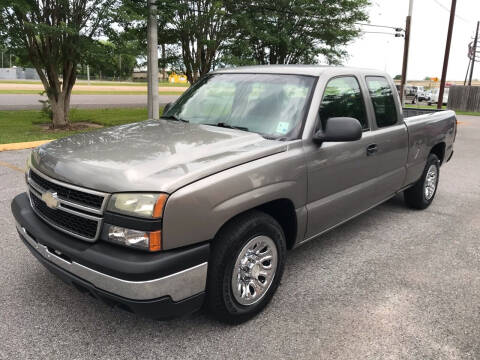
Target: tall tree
[
  {"x": 56, "y": 34},
  {"x": 294, "y": 31},
  {"x": 203, "y": 27}
]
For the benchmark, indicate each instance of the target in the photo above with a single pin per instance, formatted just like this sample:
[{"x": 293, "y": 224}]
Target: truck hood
[{"x": 153, "y": 155}]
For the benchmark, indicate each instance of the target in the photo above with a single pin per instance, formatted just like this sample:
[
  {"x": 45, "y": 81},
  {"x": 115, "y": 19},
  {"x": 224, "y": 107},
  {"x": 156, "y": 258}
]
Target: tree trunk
[{"x": 59, "y": 120}]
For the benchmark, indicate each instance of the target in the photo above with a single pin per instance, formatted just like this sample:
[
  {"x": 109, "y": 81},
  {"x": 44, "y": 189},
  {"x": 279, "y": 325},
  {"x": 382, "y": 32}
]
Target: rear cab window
[
  {"x": 381, "y": 95},
  {"x": 343, "y": 98}
]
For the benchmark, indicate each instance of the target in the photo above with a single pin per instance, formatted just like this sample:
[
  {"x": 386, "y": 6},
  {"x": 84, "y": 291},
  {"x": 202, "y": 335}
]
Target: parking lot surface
[{"x": 392, "y": 283}]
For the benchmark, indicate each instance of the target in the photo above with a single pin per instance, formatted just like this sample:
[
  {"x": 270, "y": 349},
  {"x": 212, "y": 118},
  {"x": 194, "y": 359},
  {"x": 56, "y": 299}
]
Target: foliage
[
  {"x": 55, "y": 35},
  {"x": 200, "y": 35},
  {"x": 46, "y": 107},
  {"x": 202, "y": 28},
  {"x": 107, "y": 59},
  {"x": 397, "y": 77},
  {"x": 293, "y": 31}
]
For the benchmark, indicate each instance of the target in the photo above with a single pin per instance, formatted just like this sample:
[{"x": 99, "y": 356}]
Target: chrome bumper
[{"x": 178, "y": 286}]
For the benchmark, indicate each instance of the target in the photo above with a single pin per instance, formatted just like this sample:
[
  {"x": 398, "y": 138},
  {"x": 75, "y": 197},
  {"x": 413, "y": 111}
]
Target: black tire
[
  {"x": 415, "y": 196},
  {"x": 226, "y": 247}
]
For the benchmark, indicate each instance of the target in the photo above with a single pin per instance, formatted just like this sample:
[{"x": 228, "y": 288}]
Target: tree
[
  {"x": 293, "y": 31},
  {"x": 56, "y": 35},
  {"x": 202, "y": 28},
  {"x": 397, "y": 77},
  {"x": 131, "y": 18}
]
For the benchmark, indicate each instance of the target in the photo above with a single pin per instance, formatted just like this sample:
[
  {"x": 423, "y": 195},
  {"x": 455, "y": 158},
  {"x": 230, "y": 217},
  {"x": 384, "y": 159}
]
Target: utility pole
[
  {"x": 447, "y": 54},
  {"x": 406, "y": 49},
  {"x": 475, "y": 42},
  {"x": 88, "y": 74},
  {"x": 10, "y": 60},
  {"x": 2, "y": 59},
  {"x": 119, "y": 66},
  {"x": 152, "y": 61}
]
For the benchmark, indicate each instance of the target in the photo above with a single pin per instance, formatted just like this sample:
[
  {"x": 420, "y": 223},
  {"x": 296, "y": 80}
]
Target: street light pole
[
  {"x": 447, "y": 54},
  {"x": 152, "y": 61},
  {"x": 406, "y": 49}
]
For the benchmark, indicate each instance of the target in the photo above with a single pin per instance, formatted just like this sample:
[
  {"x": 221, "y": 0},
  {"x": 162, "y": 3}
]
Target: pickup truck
[{"x": 201, "y": 207}]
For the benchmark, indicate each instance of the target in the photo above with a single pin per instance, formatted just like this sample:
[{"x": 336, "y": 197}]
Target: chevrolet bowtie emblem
[{"x": 51, "y": 199}]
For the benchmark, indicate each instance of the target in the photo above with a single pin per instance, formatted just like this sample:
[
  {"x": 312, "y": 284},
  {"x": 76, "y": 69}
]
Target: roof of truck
[{"x": 314, "y": 70}]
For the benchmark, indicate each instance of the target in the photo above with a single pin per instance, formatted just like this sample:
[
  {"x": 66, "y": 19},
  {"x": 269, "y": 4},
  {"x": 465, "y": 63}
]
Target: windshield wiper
[
  {"x": 225, "y": 125},
  {"x": 173, "y": 117}
]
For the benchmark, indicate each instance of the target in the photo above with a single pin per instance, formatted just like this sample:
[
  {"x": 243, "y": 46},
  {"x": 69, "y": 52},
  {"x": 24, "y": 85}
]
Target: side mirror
[
  {"x": 339, "y": 129},
  {"x": 167, "y": 107}
]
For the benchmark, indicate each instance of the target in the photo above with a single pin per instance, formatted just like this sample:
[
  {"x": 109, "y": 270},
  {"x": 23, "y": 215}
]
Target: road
[
  {"x": 393, "y": 283},
  {"x": 31, "y": 101}
]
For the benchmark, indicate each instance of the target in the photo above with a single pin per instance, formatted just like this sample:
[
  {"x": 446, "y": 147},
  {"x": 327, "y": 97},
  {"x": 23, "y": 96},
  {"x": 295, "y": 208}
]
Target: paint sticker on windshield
[{"x": 282, "y": 127}]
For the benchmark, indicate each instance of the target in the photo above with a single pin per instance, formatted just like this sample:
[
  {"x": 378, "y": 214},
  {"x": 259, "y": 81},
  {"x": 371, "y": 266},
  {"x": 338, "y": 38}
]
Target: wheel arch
[
  {"x": 439, "y": 150},
  {"x": 283, "y": 211}
]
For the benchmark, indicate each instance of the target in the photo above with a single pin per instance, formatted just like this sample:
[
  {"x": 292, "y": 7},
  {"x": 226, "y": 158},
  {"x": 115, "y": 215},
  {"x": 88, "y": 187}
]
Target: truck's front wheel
[{"x": 245, "y": 268}]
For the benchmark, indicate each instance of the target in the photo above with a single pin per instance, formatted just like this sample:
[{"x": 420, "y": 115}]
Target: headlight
[
  {"x": 138, "y": 204},
  {"x": 151, "y": 241}
]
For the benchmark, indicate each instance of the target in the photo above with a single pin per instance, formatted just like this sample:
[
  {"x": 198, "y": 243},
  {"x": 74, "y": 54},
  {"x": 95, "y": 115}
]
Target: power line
[{"x": 448, "y": 10}]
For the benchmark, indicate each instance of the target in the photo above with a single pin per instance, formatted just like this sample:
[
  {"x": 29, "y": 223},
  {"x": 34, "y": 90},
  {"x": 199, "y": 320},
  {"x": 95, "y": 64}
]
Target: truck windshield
[{"x": 271, "y": 105}]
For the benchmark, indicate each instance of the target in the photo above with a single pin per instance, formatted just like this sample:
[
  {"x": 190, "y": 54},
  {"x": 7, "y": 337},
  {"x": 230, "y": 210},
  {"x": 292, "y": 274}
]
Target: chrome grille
[
  {"x": 77, "y": 212},
  {"x": 66, "y": 193},
  {"x": 69, "y": 222}
]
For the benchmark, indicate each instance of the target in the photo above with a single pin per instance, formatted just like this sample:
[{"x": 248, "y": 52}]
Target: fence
[{"x": 464, "y": 98}]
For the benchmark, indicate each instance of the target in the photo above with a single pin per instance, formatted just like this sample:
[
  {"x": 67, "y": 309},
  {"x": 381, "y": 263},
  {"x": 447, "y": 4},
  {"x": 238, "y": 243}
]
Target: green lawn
[
  {"x": 93, "y": 92},
  {"x": 20, "y": 126},
  {"x": 98, "y": 83}
]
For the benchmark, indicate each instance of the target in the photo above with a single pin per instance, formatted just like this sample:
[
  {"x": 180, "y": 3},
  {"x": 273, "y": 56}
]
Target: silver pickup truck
[{"x": 201, "y": 207}]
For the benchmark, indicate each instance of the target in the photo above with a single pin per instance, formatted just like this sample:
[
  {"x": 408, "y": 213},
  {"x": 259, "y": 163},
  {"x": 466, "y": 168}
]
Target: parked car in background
[
  {"x": 202, "y": 206},
  {"x": 427, "y": 95},
  {"x": 436, "y": 93}
]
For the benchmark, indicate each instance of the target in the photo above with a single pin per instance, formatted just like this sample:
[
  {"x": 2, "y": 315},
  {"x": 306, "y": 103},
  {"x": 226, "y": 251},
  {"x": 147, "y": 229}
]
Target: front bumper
[{"x": 161, "y": 285}]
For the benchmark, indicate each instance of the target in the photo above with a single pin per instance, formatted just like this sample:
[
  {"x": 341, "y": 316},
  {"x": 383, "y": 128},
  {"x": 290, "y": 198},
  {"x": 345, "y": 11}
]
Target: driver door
[{"x": 340, "y": 174}]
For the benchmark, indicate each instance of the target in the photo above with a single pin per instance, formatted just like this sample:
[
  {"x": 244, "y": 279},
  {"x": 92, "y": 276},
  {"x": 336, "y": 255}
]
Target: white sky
[{"x": 427, "y": 44}]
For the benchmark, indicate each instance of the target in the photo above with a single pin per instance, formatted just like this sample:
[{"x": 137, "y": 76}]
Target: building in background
[{"x": 18, "y": 73}]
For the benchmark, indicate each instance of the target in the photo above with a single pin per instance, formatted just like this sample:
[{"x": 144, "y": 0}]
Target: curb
[{"x": 22, "y": 145}]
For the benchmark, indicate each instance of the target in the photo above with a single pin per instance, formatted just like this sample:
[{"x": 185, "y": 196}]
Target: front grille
[
  {"x": 79, "y": 197},
  {"x": 67, "y": 221}
]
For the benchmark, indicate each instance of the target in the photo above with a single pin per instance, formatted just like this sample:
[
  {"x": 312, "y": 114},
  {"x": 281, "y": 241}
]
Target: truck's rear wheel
[
  {"x": 421, "y": 195},
  {"x": 245, "y": 268}
]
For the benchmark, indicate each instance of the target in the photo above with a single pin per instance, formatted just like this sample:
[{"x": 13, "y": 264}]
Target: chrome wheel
[
  {"x": 254, "y": 270},
  {"x": 430, "y": 182}
]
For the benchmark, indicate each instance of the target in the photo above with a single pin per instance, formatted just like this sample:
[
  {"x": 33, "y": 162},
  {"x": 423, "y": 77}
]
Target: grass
[
  {"x": 20, "y": 126},
  {"x": 97, "y": 83},
  {"x": 92, "y": 92},
  {"x": 434, "y": 107}
]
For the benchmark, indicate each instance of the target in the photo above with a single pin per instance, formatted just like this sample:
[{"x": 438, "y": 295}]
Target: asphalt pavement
[
  {"x": 391, "y": 284},
  {"x": 31, "y": 101}
]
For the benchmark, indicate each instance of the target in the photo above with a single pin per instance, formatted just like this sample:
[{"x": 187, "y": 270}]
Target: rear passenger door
[{"x": 389, "y": 141}]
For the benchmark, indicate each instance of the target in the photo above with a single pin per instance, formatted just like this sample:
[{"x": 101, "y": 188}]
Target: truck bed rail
[{"x": 410, "y": 112}]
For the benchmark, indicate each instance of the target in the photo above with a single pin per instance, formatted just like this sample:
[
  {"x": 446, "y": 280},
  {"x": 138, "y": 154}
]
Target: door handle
[{"x": 372, "y": 149}]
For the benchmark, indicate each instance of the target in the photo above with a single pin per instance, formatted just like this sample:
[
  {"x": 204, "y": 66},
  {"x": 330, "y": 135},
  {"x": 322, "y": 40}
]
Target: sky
[{"x": 427, "y": 44}]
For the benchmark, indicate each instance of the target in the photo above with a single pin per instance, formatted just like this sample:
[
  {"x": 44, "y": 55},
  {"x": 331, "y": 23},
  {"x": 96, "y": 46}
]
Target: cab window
[
  {"x": 382, "y": 99},
  {"x": 343, "y": 98}
]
